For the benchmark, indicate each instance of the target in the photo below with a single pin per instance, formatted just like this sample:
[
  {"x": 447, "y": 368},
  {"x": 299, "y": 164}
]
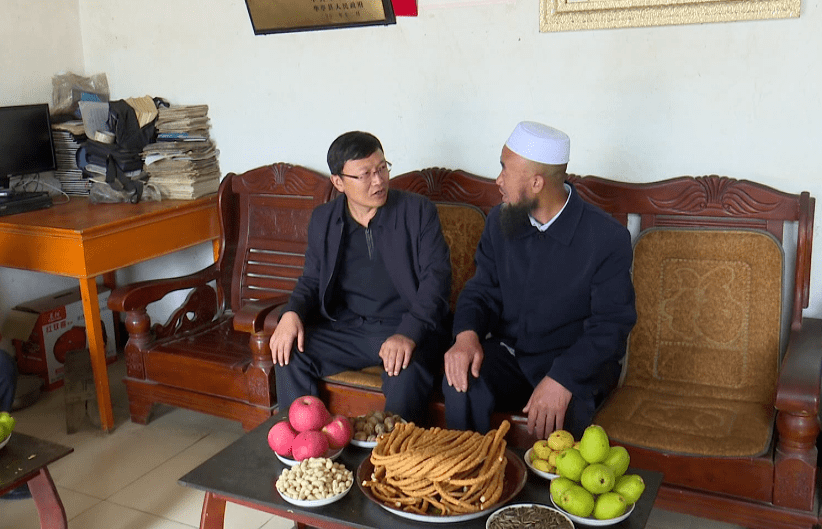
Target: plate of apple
[
  {"x": 593, "y": 486},
  {"x": 309, "y": 431}
]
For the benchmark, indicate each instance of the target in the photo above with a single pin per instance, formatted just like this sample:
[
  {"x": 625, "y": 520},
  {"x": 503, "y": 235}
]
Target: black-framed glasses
[{"x": 382, "y": 171}]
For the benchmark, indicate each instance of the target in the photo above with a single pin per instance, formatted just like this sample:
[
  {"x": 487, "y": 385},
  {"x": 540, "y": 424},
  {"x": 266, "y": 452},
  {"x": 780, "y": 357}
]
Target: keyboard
[{"x": 22, "y": 201}]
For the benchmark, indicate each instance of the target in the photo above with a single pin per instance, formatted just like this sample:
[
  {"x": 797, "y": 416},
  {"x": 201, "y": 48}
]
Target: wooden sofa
[{"x": 213, "y": 355}]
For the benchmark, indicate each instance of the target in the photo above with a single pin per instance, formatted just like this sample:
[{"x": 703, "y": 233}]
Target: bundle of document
[
  {"x": 183, "y": 164},
  {"x": 68, "y": 137}
]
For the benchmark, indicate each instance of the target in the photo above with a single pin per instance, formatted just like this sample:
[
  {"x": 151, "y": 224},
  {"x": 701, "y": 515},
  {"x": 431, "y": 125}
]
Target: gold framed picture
[
  {"x": 282, "y": 16},
  {"x": 569, "y": 15}
]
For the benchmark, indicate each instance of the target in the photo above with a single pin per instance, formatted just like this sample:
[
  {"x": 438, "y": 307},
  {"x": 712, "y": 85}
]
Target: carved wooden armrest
[
  {"x": 797, "y": 420},
  {"x": 138, "y": 295},
  {"x": 798, "y": 389},
  {"x": 252, "y": 316}
]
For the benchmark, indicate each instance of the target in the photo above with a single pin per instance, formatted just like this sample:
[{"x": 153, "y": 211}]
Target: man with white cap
[{"x": 542, "y": 325}]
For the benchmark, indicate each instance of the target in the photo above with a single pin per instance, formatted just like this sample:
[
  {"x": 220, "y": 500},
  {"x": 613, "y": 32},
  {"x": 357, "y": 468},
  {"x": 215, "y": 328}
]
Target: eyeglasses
[{"x": 382, "y": 171}]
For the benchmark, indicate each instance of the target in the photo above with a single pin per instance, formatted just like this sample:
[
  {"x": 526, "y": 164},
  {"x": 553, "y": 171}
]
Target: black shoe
[{"x": 20, "y": 493}]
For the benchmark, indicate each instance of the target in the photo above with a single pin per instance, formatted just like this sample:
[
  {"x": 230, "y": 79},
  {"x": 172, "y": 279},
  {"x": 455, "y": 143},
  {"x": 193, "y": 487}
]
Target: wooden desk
[
  {"x": 24, "y": 460},
  {"x": 84, "y": 240}
]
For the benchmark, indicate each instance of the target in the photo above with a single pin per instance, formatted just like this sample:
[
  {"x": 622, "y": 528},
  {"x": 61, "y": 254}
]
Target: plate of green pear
[
  {"x": 595, "y": 522},
  {"x": 7, "y": 424}
]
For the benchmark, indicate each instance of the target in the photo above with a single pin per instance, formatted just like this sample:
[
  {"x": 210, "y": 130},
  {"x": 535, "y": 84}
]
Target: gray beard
[{"x": 513, "y": 218}]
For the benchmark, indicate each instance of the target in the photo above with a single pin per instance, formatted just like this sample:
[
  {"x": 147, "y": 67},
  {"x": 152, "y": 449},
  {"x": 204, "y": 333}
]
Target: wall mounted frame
[
  {"x": 283, "y": 16},
  {"x": 569, "y": 15}
]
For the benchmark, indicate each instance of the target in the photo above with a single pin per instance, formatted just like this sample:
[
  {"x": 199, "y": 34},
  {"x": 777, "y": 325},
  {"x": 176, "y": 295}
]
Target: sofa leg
[{"x": 139, "y": 408}]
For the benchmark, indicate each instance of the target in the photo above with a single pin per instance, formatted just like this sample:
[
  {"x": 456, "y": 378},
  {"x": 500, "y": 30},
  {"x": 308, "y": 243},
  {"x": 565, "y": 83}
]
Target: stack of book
[
  {"x": 182, "y": 164},
  {"x": 67, "y": 140}
]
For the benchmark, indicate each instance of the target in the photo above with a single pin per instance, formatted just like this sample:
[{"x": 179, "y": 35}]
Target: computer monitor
[{"x": 26, "y": 144}]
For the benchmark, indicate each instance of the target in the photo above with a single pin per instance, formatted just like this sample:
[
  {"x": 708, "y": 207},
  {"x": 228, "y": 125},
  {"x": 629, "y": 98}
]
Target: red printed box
[{"x": 45, "y": 329}]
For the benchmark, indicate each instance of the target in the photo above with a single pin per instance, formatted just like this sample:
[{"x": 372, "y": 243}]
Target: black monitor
[{"x": 26, "y": 144}]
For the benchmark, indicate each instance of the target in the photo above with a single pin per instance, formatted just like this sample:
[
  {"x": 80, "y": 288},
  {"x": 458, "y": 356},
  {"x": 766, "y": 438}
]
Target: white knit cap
[{"x": 540, "y": 143}]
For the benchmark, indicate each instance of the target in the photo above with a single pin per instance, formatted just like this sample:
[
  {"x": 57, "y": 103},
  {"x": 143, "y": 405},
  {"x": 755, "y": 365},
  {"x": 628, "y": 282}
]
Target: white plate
[
  {"x": 363, "y": 444},
  {"x": 499, "y": 512},
  {"x": 540, "y": 473},
  {"x": 593, "y": 521},
  {"x": 4, "y": 441},
  {"x": 316, "y": 503},
  {"x": 514, "y": 480},
  {"x": 331, "y": 454},
  {"x": 434, "y": 519}
]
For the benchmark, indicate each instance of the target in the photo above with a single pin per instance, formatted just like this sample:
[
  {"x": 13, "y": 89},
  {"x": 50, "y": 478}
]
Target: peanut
[{"x": 314, "y": 479}]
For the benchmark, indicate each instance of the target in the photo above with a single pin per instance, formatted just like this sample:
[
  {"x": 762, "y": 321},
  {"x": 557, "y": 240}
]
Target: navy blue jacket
[
  {"x": 409, "y": 238},
  {"x": 562, "y": 299}
]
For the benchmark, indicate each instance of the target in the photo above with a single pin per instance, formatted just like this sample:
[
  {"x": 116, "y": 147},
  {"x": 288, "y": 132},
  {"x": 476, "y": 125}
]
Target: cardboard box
[{"x": 45, "y": 329}]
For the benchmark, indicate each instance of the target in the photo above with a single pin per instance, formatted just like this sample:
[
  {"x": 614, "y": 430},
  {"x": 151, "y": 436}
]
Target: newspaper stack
[
  {"x": 67, "y": 140},
  {"x": 182, "y": 164}
]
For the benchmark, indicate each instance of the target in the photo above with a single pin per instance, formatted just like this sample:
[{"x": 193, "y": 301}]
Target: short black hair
[{"x": 354, "y": 145}]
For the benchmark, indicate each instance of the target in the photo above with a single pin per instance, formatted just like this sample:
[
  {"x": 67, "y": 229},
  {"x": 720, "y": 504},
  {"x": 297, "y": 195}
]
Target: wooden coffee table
[
  {"x": 246, "y": 472},
  {"x": 24, "y": 460}
]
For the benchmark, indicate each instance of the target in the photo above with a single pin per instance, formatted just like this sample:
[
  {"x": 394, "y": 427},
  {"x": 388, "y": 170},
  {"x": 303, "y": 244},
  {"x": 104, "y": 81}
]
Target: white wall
[
  {"x": 37, "y": 40},
  {"x": 446, "y": 88}
]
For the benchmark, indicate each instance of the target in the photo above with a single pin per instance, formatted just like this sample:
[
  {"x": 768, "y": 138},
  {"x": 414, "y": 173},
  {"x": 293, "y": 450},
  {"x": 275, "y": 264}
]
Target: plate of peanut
[{"x": 315, "y": 482}]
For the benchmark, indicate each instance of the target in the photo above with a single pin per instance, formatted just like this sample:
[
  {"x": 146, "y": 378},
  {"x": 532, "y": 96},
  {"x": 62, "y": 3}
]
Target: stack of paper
[
  {"x": 182, "y": 164},
  {"x": 67, "y": 139}
]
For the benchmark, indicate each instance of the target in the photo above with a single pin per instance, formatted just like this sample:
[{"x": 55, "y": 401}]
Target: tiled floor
[{"x": 128, "y": 479}]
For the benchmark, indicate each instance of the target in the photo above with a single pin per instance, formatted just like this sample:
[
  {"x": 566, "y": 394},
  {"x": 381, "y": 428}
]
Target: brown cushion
[
  {"x": 462, "y": 226},
  {"x": 703, "y": 356},
  {"x": 368, "y": 378}
]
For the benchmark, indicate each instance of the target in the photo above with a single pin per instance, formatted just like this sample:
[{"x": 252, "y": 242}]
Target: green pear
[
  {"x": 7, "y": 419},
  {"x": 609, "y": 505},
  {"x": 630, "y": 486},
  {"x": 594, "y": 444},
  {"x": 578, "y": 501},
  {"x": 558, "y": 486},
  {"x": 570, "y": 464},
  {"x": 618, "y": 459},
  {"x": 597, "y": 478}
]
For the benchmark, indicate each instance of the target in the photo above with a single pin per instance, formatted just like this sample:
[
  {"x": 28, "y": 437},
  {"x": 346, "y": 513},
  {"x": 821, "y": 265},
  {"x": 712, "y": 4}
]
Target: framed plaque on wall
[{"x": 282, "y": 16}]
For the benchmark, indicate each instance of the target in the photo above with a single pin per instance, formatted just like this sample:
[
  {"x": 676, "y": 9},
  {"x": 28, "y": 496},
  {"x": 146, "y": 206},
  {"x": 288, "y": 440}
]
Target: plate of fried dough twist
[{"x": 439, "y": 475}]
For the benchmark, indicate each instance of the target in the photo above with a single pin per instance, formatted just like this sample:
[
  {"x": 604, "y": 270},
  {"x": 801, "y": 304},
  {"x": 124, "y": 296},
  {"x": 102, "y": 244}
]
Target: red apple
[
  {"x": 308, "y": 413},
  {"x": 311, "y": 443},
  {"x": 281, "y": 438},
  {"x": 339, "y": 431}
]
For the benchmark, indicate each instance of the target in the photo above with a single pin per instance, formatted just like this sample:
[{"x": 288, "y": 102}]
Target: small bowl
[{"x": 562, "y": 519}]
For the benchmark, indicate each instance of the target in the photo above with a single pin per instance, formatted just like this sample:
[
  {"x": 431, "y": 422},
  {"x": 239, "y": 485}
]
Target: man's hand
[
  {"x": 282, "y": 341},
  {"x": 396, "y": 353},
  {"x": 546, "y": 407},
  {"x": 465, "y": 354}
]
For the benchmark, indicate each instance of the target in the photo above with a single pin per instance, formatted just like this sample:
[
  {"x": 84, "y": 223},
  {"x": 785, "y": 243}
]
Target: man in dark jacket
[
  {"x": 374, "y": 289},
  {"x": 542, "y": 325}
]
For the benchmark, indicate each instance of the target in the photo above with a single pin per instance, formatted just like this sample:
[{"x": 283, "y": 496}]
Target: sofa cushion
[{"x": 703, "y": 357}]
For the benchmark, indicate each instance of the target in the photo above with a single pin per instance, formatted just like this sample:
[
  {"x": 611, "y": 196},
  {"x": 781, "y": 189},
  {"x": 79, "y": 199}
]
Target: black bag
[{"x": 124, "y": 155}]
